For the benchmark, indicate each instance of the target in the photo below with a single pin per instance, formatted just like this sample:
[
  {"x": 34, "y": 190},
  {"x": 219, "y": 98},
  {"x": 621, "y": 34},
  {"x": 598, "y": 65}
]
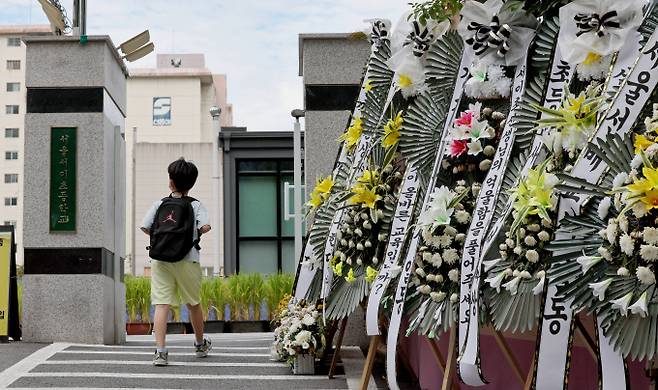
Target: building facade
[
  {"x": 168, "y": 118},
  {"x": 12, "y": 121}
]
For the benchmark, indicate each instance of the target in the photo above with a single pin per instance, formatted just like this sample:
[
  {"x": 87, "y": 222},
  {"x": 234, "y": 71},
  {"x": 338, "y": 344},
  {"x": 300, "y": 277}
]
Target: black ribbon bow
[
  {"x": 379, "y": 32},
  {"x": 420, "y": 38},
  {"x": 494, "y": 36},
  {"x": 596, "y": 23}
]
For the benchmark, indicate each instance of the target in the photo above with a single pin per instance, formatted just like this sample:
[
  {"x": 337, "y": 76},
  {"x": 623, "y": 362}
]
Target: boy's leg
[
  {"x": 160, "y": 326},
  {"x": 196, "y": 318}
]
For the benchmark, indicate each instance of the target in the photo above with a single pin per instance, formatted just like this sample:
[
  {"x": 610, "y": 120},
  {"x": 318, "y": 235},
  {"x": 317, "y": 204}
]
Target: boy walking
[{"x": 175, "y": 225}]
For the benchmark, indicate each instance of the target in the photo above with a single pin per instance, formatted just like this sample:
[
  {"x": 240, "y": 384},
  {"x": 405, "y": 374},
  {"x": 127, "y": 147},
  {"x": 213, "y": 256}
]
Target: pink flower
[
  {"x": 465, "y": 119},
  {"x": 458, "y": 147}
]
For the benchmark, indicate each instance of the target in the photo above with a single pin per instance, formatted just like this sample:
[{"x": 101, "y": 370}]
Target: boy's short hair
[{"x": 183, "y": 174}]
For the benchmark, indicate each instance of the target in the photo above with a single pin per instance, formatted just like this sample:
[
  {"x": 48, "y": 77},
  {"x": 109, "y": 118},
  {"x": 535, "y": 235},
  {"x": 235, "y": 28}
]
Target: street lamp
[
  {"x": 297, "y": 166},
  {"x": 215, "y": 113}
]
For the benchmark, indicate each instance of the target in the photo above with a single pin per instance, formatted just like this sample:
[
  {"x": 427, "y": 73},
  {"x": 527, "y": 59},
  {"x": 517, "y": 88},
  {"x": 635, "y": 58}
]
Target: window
[
  {"x": 11, "y": 109},
  {"x": 13, "y": 64},
  {"x": 11, "y": 155},
  {"x": 11, "y": 201},
  {"x": 11, "y": 132},
  {"x": 14, "y": 41},
  {"x": 13, "y": 87},
  {"x": 265, "y": 240},
  {"x": 10, "y": 223},
  {"x": 11, "y": 177}
]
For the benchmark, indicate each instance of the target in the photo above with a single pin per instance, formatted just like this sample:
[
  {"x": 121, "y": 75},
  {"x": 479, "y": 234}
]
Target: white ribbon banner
[
  {"x": 403, "y": 282},
  {"x": 310, "y": 263},
  {"x": 614, "y": 373},
  {"x": 552, "y": 358},
  {"x": 399, "y": 229},
  {"x": 469, "y": 335}
]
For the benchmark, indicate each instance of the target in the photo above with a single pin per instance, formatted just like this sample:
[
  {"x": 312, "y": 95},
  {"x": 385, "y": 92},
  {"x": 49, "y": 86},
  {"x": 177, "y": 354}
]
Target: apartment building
[{"x": 12, "y": 119}]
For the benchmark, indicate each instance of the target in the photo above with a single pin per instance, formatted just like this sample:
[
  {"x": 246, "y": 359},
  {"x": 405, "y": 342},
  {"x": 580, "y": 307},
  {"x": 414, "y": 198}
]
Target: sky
[{"x": 253, "y": 42}]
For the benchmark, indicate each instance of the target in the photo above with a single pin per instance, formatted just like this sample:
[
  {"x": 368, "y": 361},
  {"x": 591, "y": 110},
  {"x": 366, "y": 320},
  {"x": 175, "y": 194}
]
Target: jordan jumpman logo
[{"x": 170, "y": 217}]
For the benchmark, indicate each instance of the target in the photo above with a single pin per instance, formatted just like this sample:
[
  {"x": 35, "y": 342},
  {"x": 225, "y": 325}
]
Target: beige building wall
[
  {"x": 13, "y": 214},
  {"x": 193, "y": 89}
]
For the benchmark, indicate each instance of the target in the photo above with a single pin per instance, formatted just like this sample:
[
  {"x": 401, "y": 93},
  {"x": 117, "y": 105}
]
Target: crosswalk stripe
[
  {"x": 148, "y": 363},
  {"x": 21, "y": 368},
  {"x": 266, "y": 355},
  {"x": 169, "y": 347},
  {"x": 174, "y": 376}
]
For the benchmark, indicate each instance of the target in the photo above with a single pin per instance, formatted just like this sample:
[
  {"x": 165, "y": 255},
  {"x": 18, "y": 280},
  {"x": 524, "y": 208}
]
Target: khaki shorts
[{"x": 169, "y": 281}]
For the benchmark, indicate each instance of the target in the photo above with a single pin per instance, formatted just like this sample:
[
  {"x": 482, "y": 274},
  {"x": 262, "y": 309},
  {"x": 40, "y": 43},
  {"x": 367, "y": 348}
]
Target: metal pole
[
  {"x": 76, "y": 18},
  {"x": 215, "y": 112},
  {"x": 133, "y": 192},
  {"x": 83, "y": 17},
  {"x": 297, "y": 165}
]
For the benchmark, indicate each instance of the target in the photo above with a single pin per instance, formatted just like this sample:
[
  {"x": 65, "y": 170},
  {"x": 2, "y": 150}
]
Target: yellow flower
[
  {"x": 642, "y": 143},
  {"x": 371, "y": 274},
  {"x": 365, "y": 196},
  {"x": 392, "y": 131},
  {"x": 316, "y": 200},
  {"x": 321, "y": 192},
  {"x": 338, "y": 268},
  {"x": 574, "y": 104},
  {"x": 650, "y": 199},
  {"x": 368, "y": 177},
  {"x": 646, "y": 189},
  {"x": 592, "y": 58},
  {"x": 368, "y": 86},
  {"x": 350, "y": 276},
  {"x": 353, "y": 133},
  {"x": 405, "y": 81}
]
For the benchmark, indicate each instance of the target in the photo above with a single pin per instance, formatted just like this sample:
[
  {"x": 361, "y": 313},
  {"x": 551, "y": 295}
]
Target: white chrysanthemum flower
[
  {"x": 604, "y": 207},
  {"x": 510, "y": 243},
  {"x": 444, "y": 241},
  {"x": 437, "y": 260},
  {"x": 496, "y": 281},
  {"x": 598, "y": 289},
  {"x": 649, "y": 252},
  {"x": 462, "y": 216},
  {"x": 611, "y": 231},
  {"x": 620, "y": 180},
  {"x": 451, "y": 231},
  {"x": 308, "y": 320},
  {"x": 438, "y": 296},
  {"x": 544, "y": 236},
  {"x": 622, "y": 220},
  {"x": 454, "y": 297},
  {"x": 421, "y": 272},
  {"x": 639, "y": 209},
  {"x": 532, "y": 256},
  {"x": 450, "y": 256},
  {"x": 460, "y": 237},
  {"x": 605, "y": 253},
  {"x": 534, "y": 227},
  {"x": 645, "y": 275},
  {"x": 427, "y": 257},
  {"x": 622, "y": 303},
  {"x": 518, "y": 250},
  {"x": 623, "y": 271},
  {"x": 453, "y": 275},
  {"x": 650, "y": 235},
  {"x": 587, "y": 262},
  {"x": 640, "y": 306},
  {"x": 530, "y": 241},
  {"x": 425, "y": 289},
  {"x": 627, "y": 244}
]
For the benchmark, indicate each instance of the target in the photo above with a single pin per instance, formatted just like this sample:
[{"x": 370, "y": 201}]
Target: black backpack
[{"x": 172, "y": 232}]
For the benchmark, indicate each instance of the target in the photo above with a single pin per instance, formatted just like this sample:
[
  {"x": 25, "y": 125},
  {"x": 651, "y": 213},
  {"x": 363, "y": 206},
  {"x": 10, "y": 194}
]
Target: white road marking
[
  {"x": 11, "y": 374},
  {"x": 172, "y": 376},
  {"x": 170, "y": 347},
  {"x": 170, "y": 353},
  {"x": 148, "y": 363}
]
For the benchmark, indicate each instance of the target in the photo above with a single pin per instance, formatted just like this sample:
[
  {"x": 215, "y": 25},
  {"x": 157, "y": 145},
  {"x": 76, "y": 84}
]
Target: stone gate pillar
[{"x": 74, "y": 191}]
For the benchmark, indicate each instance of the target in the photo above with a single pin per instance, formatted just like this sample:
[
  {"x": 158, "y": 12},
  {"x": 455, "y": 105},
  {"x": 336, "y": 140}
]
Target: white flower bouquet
[{"x": 299, "y": 331}]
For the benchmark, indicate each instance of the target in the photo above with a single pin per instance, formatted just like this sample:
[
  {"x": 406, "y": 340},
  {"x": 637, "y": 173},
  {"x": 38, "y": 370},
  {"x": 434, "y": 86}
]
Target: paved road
[{"x": 238, "y": 361}]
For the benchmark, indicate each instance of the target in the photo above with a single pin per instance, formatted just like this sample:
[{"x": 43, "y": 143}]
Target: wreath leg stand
[
  {"x": 370, "y": 361},
  {"x": 339, "y": 343},
  {"x": 444, "y": 364},
  {"x": 451, "y": 361}
]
